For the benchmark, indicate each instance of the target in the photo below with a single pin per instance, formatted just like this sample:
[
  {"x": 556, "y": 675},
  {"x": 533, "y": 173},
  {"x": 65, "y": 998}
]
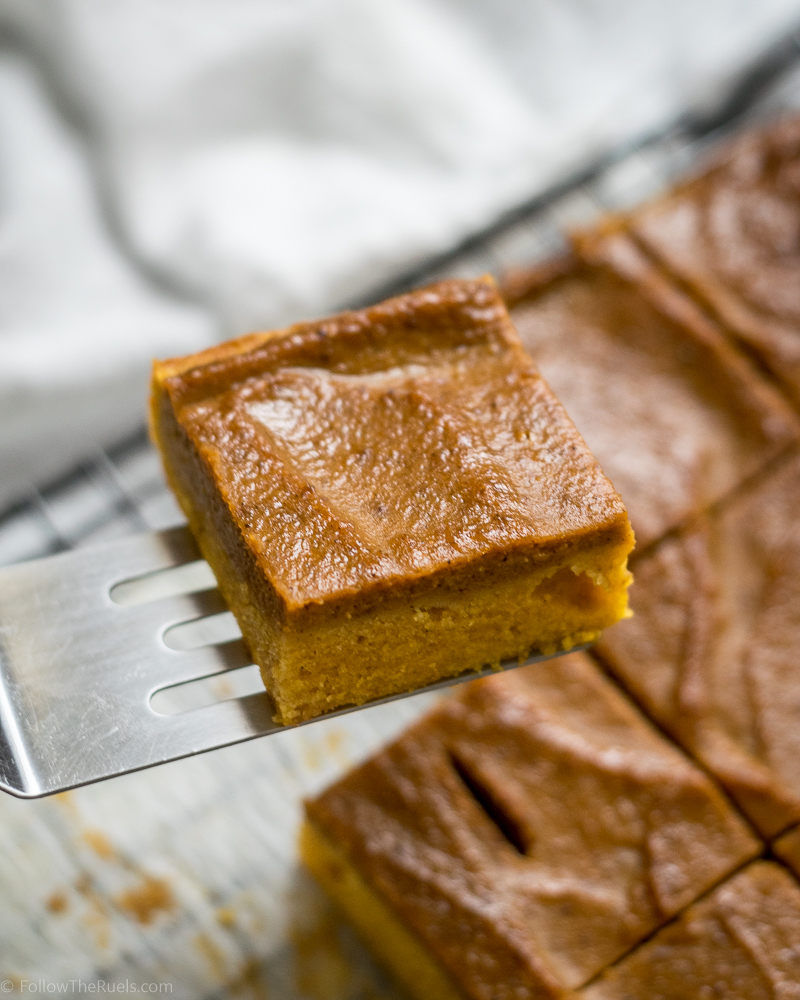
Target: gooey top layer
[
  {"x": 538, "y": 817},
  {"x": 390, "y": 443}
]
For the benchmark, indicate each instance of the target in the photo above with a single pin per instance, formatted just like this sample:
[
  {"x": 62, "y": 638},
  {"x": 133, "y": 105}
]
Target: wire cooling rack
[{"x": 121, "y": 490}]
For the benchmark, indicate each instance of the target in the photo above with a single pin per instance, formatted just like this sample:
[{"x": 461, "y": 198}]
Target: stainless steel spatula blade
[{"x": 93, "y": 642}]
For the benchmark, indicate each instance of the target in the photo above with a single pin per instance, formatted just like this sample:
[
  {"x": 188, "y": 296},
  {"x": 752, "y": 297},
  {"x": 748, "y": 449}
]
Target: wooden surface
[{"x": 187, "y": 875}]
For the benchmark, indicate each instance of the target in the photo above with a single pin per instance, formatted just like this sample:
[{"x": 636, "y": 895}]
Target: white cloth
[{"x": 271, "y": 159}]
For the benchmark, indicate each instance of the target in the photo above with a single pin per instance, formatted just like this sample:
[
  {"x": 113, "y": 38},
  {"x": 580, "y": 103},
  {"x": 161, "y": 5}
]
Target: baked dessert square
[
  {"x": 390, "y": 497},
  {"x": 731, "y": 236},
  {"x": 526, "y": 833},
  {"x": 740, "y": 942},
  {"x": 676, "y": 417},
  {"x": 787, "y": 848},
  {"x": 711, "y": 651}
]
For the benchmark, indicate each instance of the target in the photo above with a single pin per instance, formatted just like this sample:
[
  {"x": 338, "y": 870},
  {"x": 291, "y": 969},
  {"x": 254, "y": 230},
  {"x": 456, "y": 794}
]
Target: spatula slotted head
[{"x": 121, "y": 657}]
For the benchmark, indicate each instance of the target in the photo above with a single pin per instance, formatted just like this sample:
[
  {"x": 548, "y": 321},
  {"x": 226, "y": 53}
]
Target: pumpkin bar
[
  {"x": 522, "y": 836},
  {"x": 676, "y": 417},
  {"x": 711, "y": 652},
  {"x": 740, "y": 942},
  {"x": 391, "y": 497},
  {"x": 731, "y": 236}
]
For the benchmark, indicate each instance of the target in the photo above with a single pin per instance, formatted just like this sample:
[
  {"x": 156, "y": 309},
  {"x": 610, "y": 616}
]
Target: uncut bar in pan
[
  {"x": 731, "y": 237},
  {"x": 675, "y": 415},
  {"x": 712, "y": 649},
  {"x": 525, "y": 834}
]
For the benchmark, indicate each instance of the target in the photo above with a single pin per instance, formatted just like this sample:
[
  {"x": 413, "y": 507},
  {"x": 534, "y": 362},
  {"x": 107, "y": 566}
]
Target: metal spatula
[{"x": 119, "y": 657}]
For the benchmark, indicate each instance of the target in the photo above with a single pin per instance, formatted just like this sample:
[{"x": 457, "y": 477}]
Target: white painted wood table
[{"x": 187, "y": 875}]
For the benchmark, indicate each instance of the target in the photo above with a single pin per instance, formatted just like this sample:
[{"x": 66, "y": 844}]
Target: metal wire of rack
[{"x": 121, "y": 490}]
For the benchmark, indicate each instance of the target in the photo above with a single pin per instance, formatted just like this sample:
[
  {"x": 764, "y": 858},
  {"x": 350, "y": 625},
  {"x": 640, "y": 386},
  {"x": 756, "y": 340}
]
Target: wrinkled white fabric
[
  {"x": 273, "y": 159},
  {"x": 78, "y": 324}
]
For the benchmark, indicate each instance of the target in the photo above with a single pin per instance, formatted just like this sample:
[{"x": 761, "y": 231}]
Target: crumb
[
  {"x": 100, "y": 844},
  {"x": 96, "y": 917},
  {"x": 57, "y": 903},
  {"x": 213, "y": 955},
  {"x": 145, "y": 901}
]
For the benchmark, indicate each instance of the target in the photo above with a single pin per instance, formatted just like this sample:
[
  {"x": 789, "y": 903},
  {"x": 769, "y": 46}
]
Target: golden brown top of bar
[
  {"x": 673, "y": 414},
  {"x": 740, "y": 942},
  {"x": 733, "y": 236},
  {"x": 539, "y": 818},
  {"x": 711, "y": 651},
  {"x": 389, "y": 444}
]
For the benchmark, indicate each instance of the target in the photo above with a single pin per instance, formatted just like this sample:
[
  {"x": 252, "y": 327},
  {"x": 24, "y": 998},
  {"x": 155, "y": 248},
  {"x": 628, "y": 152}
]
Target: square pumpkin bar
[
  {"x": 391, "y": 497},
  {"x": 712, "y": 649},
  {"x": 522, "y": 836},
  {"x": 674, "y": 414},
  {"x": 731, "y": 237}
]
